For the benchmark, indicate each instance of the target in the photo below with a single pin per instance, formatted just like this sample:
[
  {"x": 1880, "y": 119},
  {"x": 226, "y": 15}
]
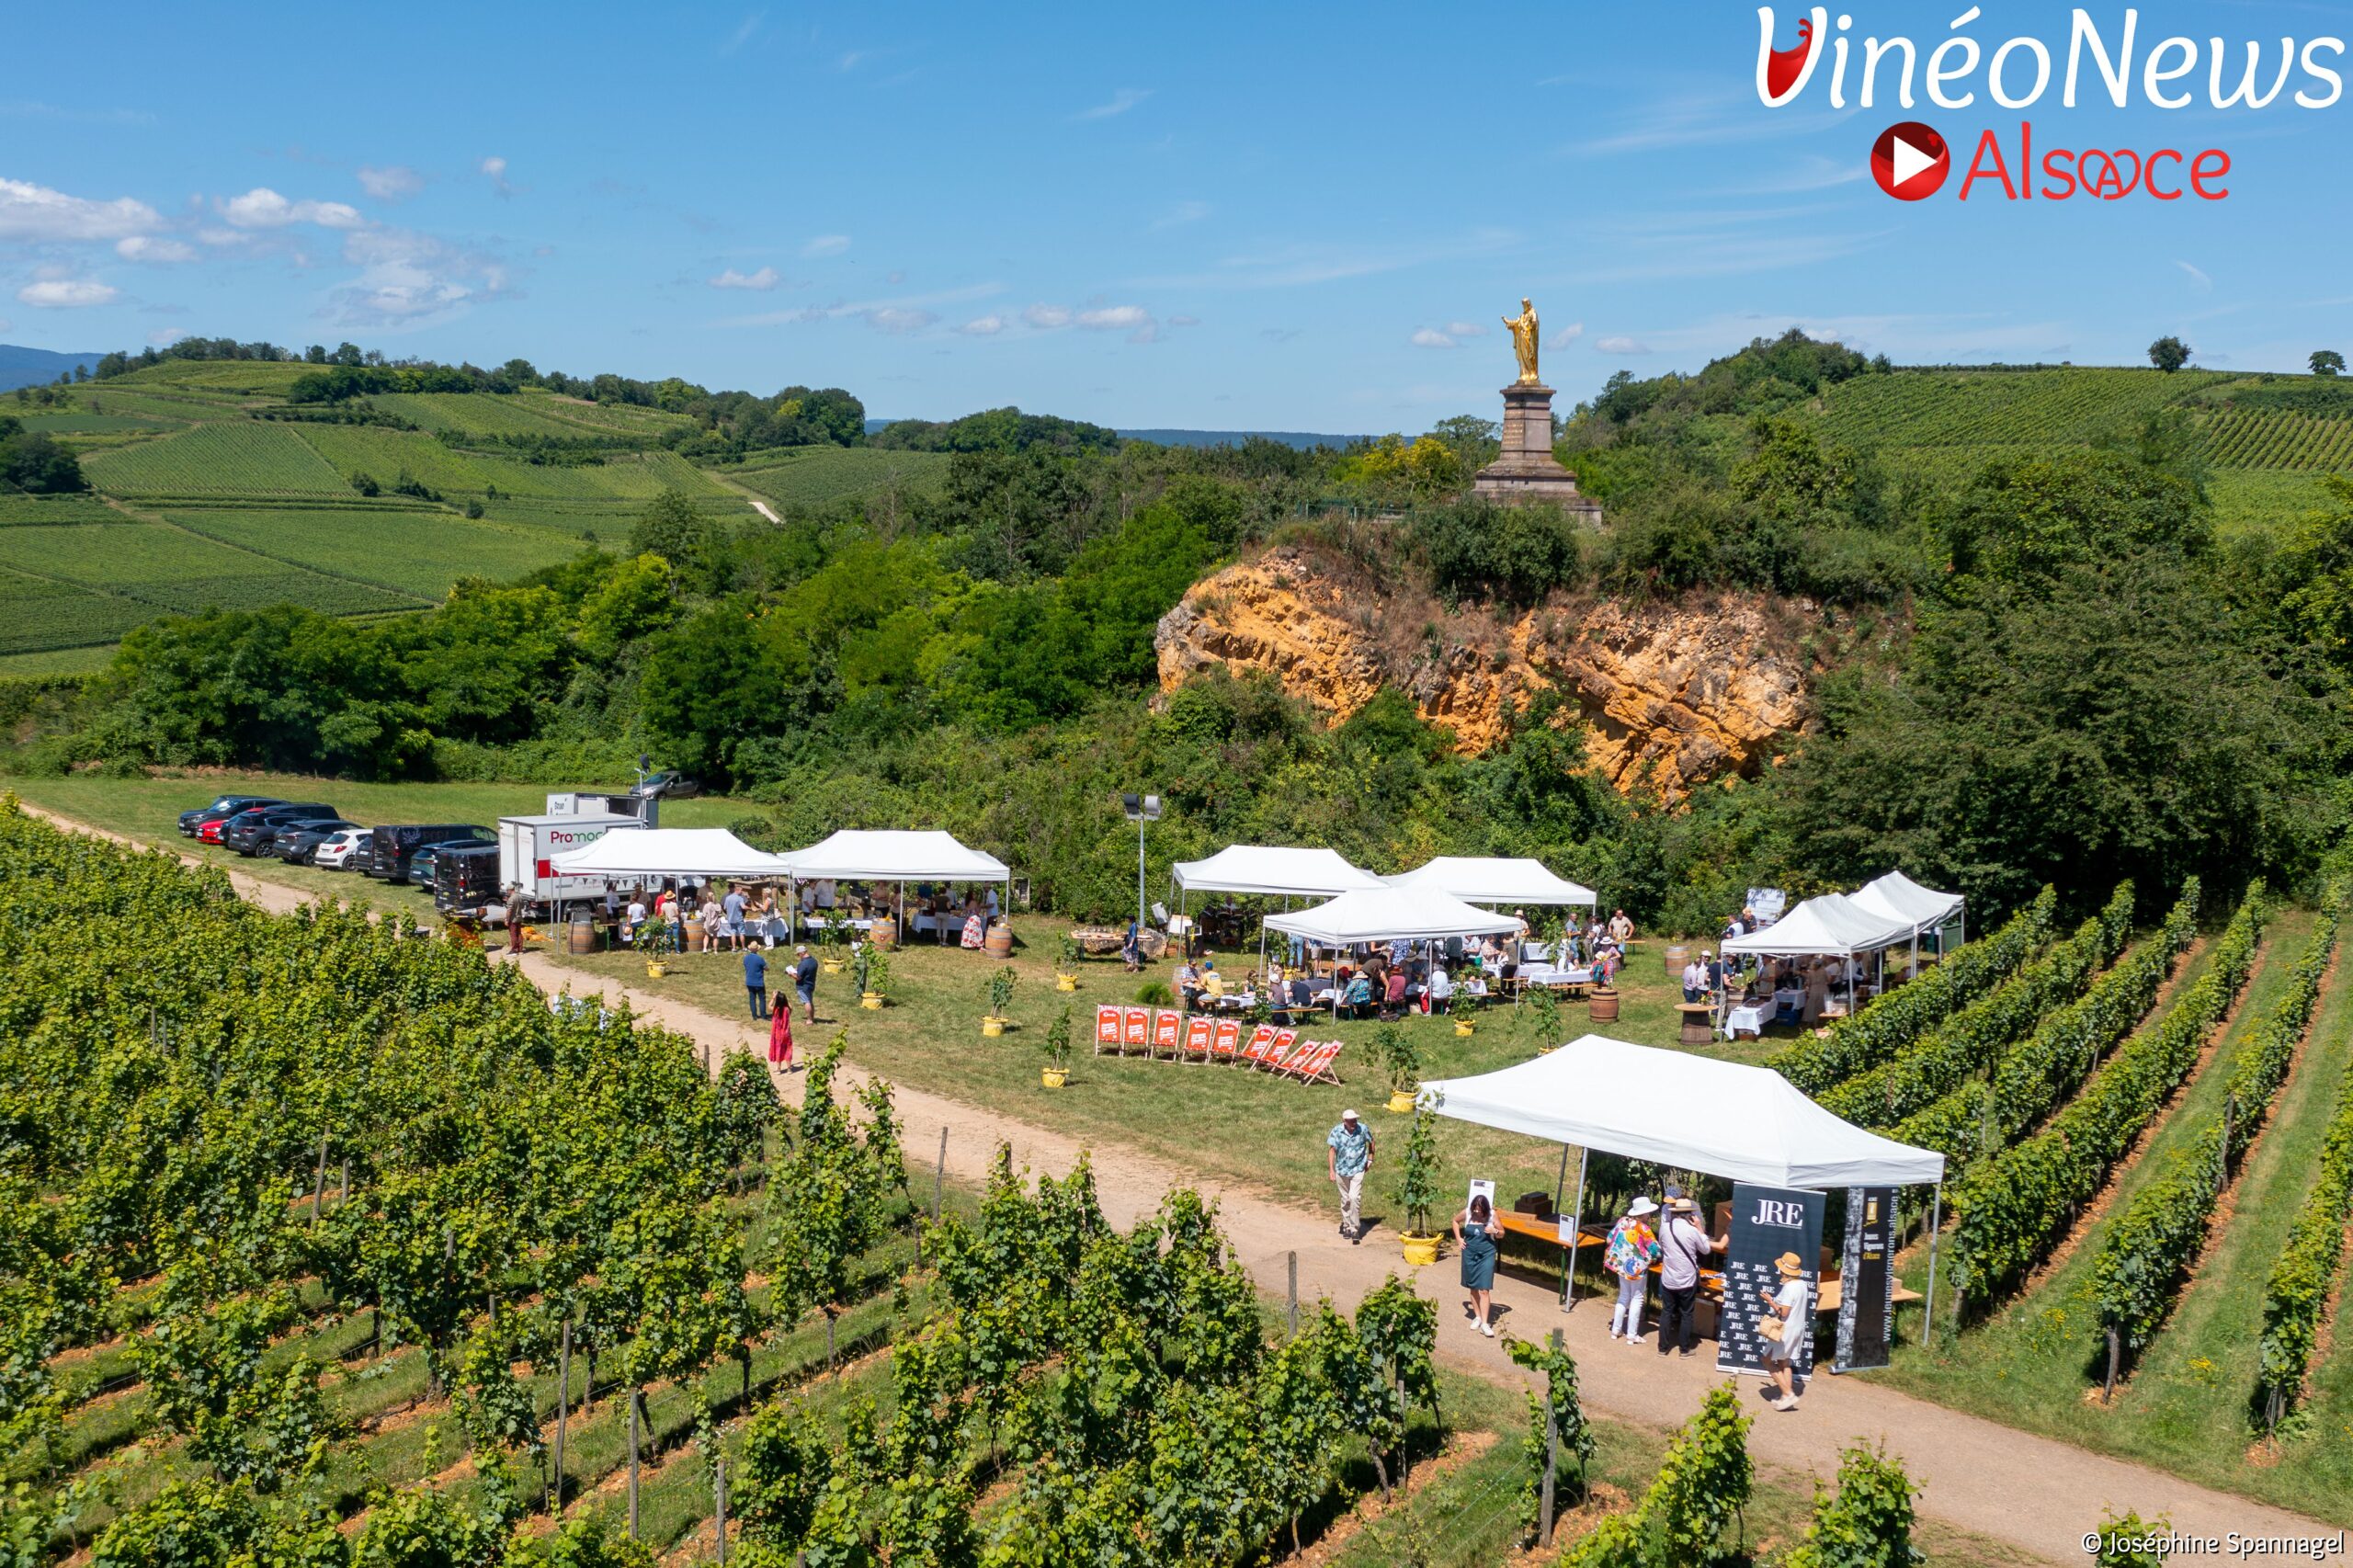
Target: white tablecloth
[
  {"x": 1547, "y": 974},
  {"x": 1747, "y": 1018}
]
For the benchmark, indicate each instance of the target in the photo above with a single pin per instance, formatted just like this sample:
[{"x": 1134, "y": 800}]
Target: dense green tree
[{"x": 2169, "y": 354}]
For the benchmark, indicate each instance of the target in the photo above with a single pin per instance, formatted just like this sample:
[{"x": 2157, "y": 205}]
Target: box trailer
[{"x": 527, "y": 845}]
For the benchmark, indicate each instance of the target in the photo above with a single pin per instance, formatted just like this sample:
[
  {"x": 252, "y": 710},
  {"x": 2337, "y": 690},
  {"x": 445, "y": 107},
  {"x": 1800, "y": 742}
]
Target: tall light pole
[{"x": 1141, "y": 808}]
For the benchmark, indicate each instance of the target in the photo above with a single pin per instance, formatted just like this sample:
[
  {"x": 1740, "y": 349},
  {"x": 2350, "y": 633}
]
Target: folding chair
[
  {"x": 1107, "y": 1029},
  {"x": 1287, "y": 1053},
  {"x": 1167, "y": 1029},
  {"x": 1286, "y": 1045},
  {"x": 1261, "y": 1037},
  {"x": 1135, "y": 1032},
  {"x": 1317, "y": 1067},
  {"x": 1198, "y": 1031},
  {"x": 1227, "y": 1037}
]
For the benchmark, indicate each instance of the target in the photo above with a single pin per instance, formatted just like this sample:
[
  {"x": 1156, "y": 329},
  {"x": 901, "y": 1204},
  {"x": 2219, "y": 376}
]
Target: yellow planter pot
[
  {"x": 1065, "y": 982},
  {"x": 1055, "y": 1078},
  {"x": 654, "y": 971},
  {"x": 991, "y": 1028},
  {"x": 1462, "y": 1029},
  {"x": 1402, "y": 1101},
  {"x": 1420, "y": 1250},
  {"x": 831, "y": 966},
  {"x": 871, "y": 1000}
]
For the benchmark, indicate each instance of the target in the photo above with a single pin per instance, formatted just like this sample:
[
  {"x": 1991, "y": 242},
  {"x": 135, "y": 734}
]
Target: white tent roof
[
  {"x": 1386, "y": 914},
  {"x": 1898, "y": 897},
  {"x": 669, "y": 852},
  {"x": 1683, "y": 1111},
  {"x": 1831, "y": 925},
  {"x": 894, "y": 856},
  {"x": 1274, "y": 872},
  {"x": 1491, "y": 878}
]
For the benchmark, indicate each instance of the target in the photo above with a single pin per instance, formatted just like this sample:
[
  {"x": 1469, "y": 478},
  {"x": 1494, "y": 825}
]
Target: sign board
[
  {"x": 1866, "y": 1296},
  {"x": 1766, "y": 1222},
  {"x": 1767, "y": 904},
  {"x": 1481, "y": 1188}
]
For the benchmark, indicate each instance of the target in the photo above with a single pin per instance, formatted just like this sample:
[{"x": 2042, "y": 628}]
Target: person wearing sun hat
[
  {"x": 1634, "y": 1247},
  {"x": 1792, "y": 1307},
  {"x": 1682, "y": 1244},
  {"x": 1349, "y": 1156}
]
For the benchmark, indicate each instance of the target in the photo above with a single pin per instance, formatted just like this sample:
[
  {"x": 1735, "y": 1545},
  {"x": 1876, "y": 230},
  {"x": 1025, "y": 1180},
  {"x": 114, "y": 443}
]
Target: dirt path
[{"x": 2034, "y": 1493}]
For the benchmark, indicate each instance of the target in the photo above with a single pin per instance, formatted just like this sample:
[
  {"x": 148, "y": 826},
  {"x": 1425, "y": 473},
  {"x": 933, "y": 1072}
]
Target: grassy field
[
  {"x": 813, "y": 476},
  {"x": 2034, "y": 1362},
  {"x": 414, "y": 551}
]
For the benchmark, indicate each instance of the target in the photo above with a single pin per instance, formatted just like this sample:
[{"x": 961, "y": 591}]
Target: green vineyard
[
  {"x": 173, "y": 570},
  {"x": 387, "y": 454},
  {"x": 239, "y": 456},
  {"x": 813, "y": 476},
  {"x": 415, "y": 551}
]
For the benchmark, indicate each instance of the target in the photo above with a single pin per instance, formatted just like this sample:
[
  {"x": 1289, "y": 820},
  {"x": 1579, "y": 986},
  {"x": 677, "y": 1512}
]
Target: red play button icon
[{"x": 1910, "y": 161}]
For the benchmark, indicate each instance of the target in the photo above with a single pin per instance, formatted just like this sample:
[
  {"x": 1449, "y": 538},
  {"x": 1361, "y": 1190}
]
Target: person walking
[
  {"x": 781, "y": 1037},
  {"x": 1681, "y": 1246},
  {"x": 755, "y": 982},
  {"x": 1634, "y": 1247},
  {"x": 1349, "y": 1155},
  {"x": 1789, "y": 1318},
  {"x": 1476, "y": 1233},
  {"x": 804, "y": 979}
]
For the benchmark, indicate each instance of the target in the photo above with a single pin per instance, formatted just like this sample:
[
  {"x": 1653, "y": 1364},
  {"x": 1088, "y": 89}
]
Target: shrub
[{"x": 1867, "y": 1523}]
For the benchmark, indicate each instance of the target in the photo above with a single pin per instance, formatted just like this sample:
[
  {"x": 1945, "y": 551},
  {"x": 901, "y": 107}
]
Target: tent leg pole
[
  {"x": 1560, "y": 1187},
  {"x": 1936, "y": 1224},
  {"x": 1576, "y": 1225}
]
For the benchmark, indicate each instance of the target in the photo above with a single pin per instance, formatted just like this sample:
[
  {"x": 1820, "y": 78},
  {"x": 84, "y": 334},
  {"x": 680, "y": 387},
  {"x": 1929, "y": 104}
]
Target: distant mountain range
[
  {"x": 32, "y": 367},
  {"x": 1300, "y": 439}
]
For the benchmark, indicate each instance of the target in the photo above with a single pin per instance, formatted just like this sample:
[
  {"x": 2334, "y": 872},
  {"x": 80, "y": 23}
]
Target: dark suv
[
  {"x": 391, "y": 849},
  {"x": 227, "y": 805},
  {"x": 250, "y": 832}
]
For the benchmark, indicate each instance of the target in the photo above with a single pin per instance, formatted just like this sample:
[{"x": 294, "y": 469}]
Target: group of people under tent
[
  {"x": 1390, "y": 980},
  {"x": 741, "y": 915},
  {"x": 1799, "y": 989}
]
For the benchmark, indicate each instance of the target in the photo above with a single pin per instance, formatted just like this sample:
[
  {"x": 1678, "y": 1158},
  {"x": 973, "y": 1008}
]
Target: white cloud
[
  {"x": 217, "y": 236},
  {"x": 395, "y": 182},
  {"x": 763, "y": 280},
  {"x": 1461, "y": 329},
  {"x": 1621, "y": 345},
  {"x": 1430, "y": 337},
  {"x": 1562, "y": 336},
  {"x": 983, "y": 327},
  {"x": 826, "y": 244},
  {"x": 1115, "y": 318},
  {"x": 408, "y": 278},
  {"x": 898, "y": 318},
  {"x": 1045, "y": 318},
  {"x": 30, "y": 212},
  {"x": 494, "y": 168},
  {"x": 164, "y": 336},
  {"x": 66, "y": 293},
  {"x": 1119, "y": 103},
  {"x": 262, "y": 208},
  {"x": 142, "y": 248},
  {"x": 2196, "y": 276}
]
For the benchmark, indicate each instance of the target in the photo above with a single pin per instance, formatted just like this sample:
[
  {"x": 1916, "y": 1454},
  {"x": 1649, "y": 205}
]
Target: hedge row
[
  {"x": 1974, "y": 1038},
  {"x": 2148, "y": 1253},
  {"x": 2298, "y": 1292},
  {"x": 1821, "y": 1062},
  {"x": 2043, "y": 1070},
  {"x": 2009, "y": 1210}
]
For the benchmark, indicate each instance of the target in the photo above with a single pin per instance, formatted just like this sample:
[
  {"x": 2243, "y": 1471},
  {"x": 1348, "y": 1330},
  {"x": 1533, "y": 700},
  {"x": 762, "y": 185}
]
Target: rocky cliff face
[{"x": 1678, "y": 692}]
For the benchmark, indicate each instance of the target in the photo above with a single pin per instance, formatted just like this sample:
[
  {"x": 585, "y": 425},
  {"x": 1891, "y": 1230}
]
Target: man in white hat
[
  {"x": 1792, "y": 1309},
  {"x": 1349, "y": 1155},
  {"x": 1681, "y": 1246}
]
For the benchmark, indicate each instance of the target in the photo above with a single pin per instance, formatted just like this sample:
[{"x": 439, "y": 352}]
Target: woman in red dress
[{"x": 781, "y": 1038}]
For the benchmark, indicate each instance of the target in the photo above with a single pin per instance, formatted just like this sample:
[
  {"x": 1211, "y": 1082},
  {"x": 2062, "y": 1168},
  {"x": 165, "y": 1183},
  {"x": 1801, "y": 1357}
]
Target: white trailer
[{"x": 525, "y": 845}]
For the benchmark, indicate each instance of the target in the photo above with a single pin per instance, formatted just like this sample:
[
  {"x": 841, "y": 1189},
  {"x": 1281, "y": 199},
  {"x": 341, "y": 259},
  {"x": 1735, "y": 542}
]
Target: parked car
[
  {"x": 464, "y": 877},
  {"x": 219, "y": 830},
  {"x": 253, "y": 831},
  {"x": 671, "y": 783},
  {"x": 342, "y": 851},
  {"x": 393, "y": 848},
  {"x": 295, "y": 843},
  {"x": 227, "y": 805}
]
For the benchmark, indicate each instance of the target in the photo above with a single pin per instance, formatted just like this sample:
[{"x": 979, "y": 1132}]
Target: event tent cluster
[
  {"x": 851, "y": 855},
  {"x": 1430, "y": 903},
  {"x": 1887, "y": 913}
]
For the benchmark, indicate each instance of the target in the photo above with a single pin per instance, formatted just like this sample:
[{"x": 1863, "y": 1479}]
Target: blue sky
[{"x": 1292, "y": 216}]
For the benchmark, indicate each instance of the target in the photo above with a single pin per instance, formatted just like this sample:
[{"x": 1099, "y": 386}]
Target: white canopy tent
[
  {"x": 1831, "y": 926},
  {"x": 1489, "y": 878},
  {"x": 669, "y": 852},
  {"x": 1688, "y": 1112},
  {"x": 896, "y": 855},
  {"x": 1899, "y": 897},
  {"x": 1274, "y": 872},
  {"x": 1384, "y": 914}
]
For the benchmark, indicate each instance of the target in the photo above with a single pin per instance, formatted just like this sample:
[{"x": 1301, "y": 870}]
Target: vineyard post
[
  {"x": 2230, "y": 1115},
  {"x": 343, "y": 1187},
  {"x": 319, "y": 1181},
  {"x": 1294, "y": 1295},
  {"x": 1552, "y": 1457},
  {"x": 938, "y": 1175},
  {"x": 563, "y": 1410},
  {"x": 632, "y": 1463},
  {"x": 719, "y": 1504},
  {"x": 2115, "y": 1353}
]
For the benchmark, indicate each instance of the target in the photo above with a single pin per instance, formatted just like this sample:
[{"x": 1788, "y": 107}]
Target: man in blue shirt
[
  {"x": 1349, "y": 1155},
  {"x": 755, "y": 982}
]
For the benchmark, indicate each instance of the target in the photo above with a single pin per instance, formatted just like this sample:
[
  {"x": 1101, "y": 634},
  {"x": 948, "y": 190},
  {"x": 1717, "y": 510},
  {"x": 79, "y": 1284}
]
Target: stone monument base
[{"x": 1526, "y": 470}]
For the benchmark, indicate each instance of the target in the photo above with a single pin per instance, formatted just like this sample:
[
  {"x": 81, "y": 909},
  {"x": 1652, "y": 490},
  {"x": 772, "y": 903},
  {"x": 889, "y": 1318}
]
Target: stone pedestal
[{"x": 1526, "y": 470}]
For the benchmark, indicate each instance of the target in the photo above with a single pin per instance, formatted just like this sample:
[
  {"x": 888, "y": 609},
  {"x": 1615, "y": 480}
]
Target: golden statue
[{"x": 1523, "y": 341}]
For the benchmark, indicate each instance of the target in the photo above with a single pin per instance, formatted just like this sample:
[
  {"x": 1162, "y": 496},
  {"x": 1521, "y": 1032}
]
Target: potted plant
[
  {"x": 1057, "y": 1069},
  {"x": 1416, "y": 1191},
  {"x": 829, "y": 951},
  {"x": 1066, "y": 964},
  {"x": 1544, "y": 1015},
  {"x": 655, "y": 939},
  {"x": 1402, "y": 1059},
  {"x": 1466, "y": 1014},
  {"x": 873, "y": 976},
  {"x": 1000, "y": 1002}
]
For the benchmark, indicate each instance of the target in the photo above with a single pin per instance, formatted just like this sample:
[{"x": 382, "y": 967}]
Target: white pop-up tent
[
  {"x": 669, "y": 852},
  {"x": 1898, "y": 897},
  {"x": 900, "y": 856},
  {"x": 1491, "y": 878},
  {"x": 1384, "y": 914},
  {"x": 1831, "y": 926},
  {"x": 1275, "y": 872},
  {"x": 1689, "y": 1113}
]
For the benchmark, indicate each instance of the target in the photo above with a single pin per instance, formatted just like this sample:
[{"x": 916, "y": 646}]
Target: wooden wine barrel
[
  {"x": 884, "y": 932},
  {"x": 1677, "y": 957},
  {"x": 1602, "y": 1006},
  {"x": 693, "y": 934},
  {"x": 998, "y": 942},
  {"x": 583, "y": 935}
]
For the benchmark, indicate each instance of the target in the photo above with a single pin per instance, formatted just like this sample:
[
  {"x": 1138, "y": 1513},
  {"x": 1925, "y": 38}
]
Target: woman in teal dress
[{"x": 1475, "y": 1233}]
